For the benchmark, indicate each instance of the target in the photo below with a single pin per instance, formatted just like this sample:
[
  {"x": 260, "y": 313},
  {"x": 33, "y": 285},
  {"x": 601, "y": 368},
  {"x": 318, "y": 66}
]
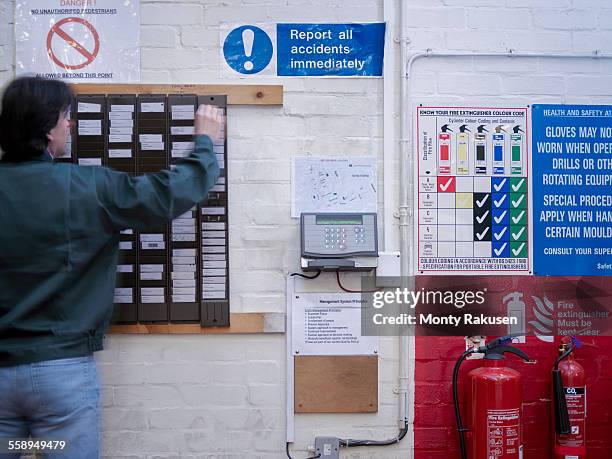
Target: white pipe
[
  {"x": 406, "y": 362},
  {"x": 509, "y": 54},
  {"x": 389, "y": 138}
]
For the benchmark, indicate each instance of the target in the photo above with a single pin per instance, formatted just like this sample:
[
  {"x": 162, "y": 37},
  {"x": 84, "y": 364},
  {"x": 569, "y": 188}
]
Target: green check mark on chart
[
  {"x": 518, "y": 249},
  {"x": 518, "y": 217}
]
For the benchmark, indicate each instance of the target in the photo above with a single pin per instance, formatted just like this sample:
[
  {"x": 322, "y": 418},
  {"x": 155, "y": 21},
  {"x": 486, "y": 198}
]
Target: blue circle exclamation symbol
[{"x": 247, "y": 49}]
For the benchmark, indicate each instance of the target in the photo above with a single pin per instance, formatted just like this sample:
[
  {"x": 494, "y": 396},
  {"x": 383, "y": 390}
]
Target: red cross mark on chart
[{"x": 81, "y": 30}]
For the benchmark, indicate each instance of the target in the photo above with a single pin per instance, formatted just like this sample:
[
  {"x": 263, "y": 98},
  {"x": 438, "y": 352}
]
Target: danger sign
[{"x": 81, "y": 42}]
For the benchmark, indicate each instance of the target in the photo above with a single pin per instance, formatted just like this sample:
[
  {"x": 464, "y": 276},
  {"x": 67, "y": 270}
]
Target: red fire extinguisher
[
  {"x": 493, "y": 404},
  {"x": 569, "y": 401}
]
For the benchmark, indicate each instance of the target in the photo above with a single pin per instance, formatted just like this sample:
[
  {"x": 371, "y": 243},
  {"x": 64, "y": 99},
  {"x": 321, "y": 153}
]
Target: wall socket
[{"x": 327, "y": 447}]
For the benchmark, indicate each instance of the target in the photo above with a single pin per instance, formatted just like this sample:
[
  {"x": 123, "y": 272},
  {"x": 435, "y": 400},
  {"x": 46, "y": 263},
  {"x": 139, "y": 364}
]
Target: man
[{"x": 59, "y": 244}]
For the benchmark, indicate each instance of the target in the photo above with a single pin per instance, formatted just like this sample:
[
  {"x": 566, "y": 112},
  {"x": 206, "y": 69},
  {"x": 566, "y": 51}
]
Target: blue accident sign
[
  {"x": 330, "y": 49},
  {"x": 247, "y": 49},
  {"x": 572, "y": 190}
]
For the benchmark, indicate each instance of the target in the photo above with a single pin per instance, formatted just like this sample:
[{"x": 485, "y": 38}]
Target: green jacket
[{"x": 59, "y": 245}]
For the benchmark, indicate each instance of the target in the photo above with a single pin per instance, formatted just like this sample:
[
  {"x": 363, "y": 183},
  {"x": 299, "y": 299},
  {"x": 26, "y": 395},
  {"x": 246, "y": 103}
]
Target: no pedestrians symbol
[{"x": 79, "y": 38}]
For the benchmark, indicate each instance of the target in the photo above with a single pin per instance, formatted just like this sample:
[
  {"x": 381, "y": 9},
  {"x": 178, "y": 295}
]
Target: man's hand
[{"x": 209, "y": 120}]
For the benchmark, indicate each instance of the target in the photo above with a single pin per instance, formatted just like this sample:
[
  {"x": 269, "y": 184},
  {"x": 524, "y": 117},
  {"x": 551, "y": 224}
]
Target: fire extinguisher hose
[
  {"x": 562, "y": 423},
  {"x": 460, "y": 428}
]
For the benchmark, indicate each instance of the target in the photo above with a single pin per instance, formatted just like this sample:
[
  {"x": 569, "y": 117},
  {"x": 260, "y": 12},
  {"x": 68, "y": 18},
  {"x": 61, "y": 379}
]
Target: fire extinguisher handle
[{"x": 511, "y": 350}]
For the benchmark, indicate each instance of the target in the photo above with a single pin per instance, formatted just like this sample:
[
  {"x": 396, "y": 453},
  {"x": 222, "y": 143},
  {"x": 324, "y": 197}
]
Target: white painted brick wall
[{"x": 224, "y": 396}]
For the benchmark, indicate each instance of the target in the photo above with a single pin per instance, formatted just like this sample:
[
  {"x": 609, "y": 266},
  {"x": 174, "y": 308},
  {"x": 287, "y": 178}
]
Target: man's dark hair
[{"x": 31, "y": 107}]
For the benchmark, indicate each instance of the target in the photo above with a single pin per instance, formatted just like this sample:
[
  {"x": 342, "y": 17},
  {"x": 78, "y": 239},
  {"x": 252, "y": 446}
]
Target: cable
[
  {"x": 318, "y": 273},
  {"x": 351, "y": 291},
  {"x": 349, "y": 443},
  {"x": 309, "y": 457},
  {"x": 460, "y": 427}
]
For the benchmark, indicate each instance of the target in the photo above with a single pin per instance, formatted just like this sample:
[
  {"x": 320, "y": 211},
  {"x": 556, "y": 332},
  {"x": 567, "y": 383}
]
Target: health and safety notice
[{"x": 572, "y": 189}]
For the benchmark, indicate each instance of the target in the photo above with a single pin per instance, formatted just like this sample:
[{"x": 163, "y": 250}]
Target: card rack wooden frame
[{"x": 235, "y": 95}]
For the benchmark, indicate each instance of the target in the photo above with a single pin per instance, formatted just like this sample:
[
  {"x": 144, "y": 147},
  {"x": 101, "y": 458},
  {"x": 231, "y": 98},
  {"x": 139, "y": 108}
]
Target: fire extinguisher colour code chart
[{"x": 471, "y": 187}]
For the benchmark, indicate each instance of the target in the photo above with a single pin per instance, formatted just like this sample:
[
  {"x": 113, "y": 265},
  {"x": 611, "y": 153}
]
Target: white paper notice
[
  {"x": 150, "y": 138},
  {"x": 125, "y": 268},
  {"x": 152, "y": 299},
  {"x": 333, "y": 185},
  {"x": 122, "y": 108},
  {"x": 152, "y": 107},
  {"x": 184, "y": 290},
  {"x": 147, "y": 268},
  {"x": 214, "y": 287},
  {"x": 152, "y": 146},
  {"x": 119, "y": 153},
  {"x": 121, "y": 123},
  {"x": 220, "y": 234},
  {"x": 151, "y": 276},
  {"x": 213, "y": 210},
  {"x": 180, "y": 153},
  {"x": 90, "y": 161},
  {"x": 214, "y": 264},
  {"x": 213, "y": 272},
  {"x": 184, "y": 268},
  {"x": 83, "y": 107},
  {"x": 183, "y": 145},
  {"x": 208, "y": 295},
  {"x": 183, "y": 283},
  {"x": 183, "y": 229},
  {"x": 183, "y": 115},
  {"x": 119, "y": 116},
  {"x": 183, "y": 222},
  {"x": 183, "y": 252},
  {"x": 181, "y": 130},
  {"x": 214, "y": 280},
  {"x": 184, "y": 260},
  {"x": 123, "y": 299},
  {"x": 120, "y": 138},
  {"x": 329, "y": 324},
  {"x": 90, "y": 124},
  {"x": 213, "y": 225},
  {"x": 213, "y": 249},
  {"x": 213, "y": 241},
  {"x": 213, "y": 257},
  {"x": 151, "y": 237},
  {"x": 183, "y": 237},
  {"x": 121, "y": 131},
  {"x": 89, "y": 131}
]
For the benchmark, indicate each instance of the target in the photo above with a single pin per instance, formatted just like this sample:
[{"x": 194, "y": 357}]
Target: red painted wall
[{"x": 435, "y": 432}]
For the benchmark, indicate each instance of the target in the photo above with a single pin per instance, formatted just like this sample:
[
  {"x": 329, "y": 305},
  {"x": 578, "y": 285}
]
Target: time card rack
[{"x": 177, "y": 272}]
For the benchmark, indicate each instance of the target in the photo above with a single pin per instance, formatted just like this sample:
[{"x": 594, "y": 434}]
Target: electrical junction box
[
  {"x": 327, "y": 448},
  {"x": 388, "y": 271}
]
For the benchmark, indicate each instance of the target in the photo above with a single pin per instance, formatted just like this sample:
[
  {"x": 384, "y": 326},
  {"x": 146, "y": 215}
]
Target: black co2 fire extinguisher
[{"x": 569, "y": 401}]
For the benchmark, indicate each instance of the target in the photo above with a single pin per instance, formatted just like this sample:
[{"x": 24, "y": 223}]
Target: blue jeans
[{"x": 53, "y": 400}]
